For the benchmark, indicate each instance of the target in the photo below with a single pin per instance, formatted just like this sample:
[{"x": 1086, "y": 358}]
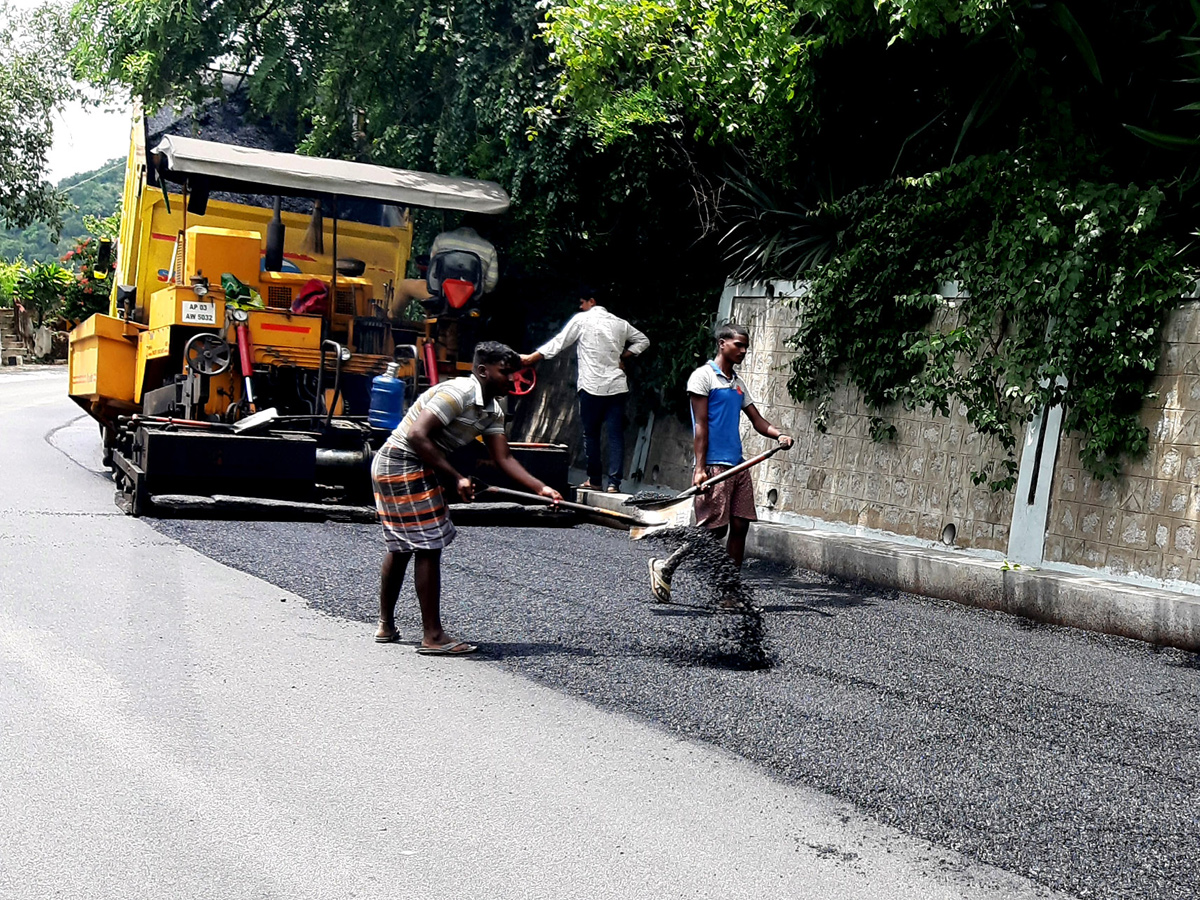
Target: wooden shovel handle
[
  {"x": 730, "y": 472},
  {"x": 564, "y": 504}
]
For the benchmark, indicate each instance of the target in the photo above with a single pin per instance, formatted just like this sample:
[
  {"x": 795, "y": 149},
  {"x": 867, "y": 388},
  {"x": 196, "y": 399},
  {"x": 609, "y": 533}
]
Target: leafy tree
[
  {"x": 824, "y": 96},
  {"x": 34, "y": 81},
  {"x": 1044, "y": 155},
  {"x": 464, "y": 89},
  {"x": 41, "y": 288}
]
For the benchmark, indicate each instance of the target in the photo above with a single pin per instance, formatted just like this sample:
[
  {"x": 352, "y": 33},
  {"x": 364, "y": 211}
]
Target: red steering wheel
[{"x": 523, "y": 381}]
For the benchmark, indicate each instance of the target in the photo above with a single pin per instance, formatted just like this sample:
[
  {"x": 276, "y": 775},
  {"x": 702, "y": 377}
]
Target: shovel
[
  {"x": 653, "y": 503},
  {"x": 676, "y": 512},
  {"x": 626, "y": 521}
]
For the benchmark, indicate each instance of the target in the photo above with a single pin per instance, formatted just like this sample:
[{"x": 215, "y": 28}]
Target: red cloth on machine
[{"x": 313, "y": 298}]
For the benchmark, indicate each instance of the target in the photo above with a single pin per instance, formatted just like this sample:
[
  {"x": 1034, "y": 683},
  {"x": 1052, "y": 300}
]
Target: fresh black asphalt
[{"x": 1067, "y": 757}]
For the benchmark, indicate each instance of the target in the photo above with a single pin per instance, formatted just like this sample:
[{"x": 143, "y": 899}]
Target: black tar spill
[
  {"x": 642, "y": 498},
  {"x": 741, "y": 641},
  {"x": 1067, "y": 757}
]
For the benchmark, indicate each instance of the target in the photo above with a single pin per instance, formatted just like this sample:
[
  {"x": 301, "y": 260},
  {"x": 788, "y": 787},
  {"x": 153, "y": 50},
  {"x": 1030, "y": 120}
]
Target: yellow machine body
[
  {"x": 260, "y": 390},
  {"x": 163, "y": 249},
  {"x": 152, "y": 231},
  {"x": 103, "y": 361}
]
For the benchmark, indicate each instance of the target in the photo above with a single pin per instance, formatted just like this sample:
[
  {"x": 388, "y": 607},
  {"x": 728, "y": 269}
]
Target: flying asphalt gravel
[{"x": 1067, "y": 757}]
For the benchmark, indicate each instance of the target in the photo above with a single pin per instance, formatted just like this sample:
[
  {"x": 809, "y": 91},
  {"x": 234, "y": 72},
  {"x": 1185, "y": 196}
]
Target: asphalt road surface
[
  {"x": 1067, "y": 757},
  {"x": 172, "y": 728}
]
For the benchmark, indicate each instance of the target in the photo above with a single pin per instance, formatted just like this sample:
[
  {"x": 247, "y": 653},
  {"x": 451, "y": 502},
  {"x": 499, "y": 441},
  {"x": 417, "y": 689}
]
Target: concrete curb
[
  {"x": 1157, "y": 616},
  {"x": 1147, "y": 614}
]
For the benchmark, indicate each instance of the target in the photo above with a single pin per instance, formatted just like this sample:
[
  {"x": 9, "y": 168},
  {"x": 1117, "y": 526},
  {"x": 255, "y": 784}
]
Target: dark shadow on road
[
  {"x": 795, "y": 608},
  {"x": 498, "y": 650},
  {"x": 716, "y": 658}
]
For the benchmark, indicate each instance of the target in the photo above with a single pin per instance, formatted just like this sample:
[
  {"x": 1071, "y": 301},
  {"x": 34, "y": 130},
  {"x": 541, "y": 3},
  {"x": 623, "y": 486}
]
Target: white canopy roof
[{"x": 269, "y": 172}]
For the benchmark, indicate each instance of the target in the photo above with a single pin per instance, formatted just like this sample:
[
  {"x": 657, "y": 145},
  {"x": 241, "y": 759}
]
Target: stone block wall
[
  {"x": 915, "y": 484},
  {"x": 1146, "y": 522},
  {"x": 669, "y": 463}
]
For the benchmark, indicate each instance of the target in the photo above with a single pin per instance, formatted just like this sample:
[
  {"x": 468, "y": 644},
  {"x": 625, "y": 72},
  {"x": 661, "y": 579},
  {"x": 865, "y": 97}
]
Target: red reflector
[{"x": 457, "y": 292}]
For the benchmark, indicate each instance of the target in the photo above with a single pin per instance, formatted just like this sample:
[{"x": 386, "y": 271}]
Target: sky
[{"x": 84, "y": 138}]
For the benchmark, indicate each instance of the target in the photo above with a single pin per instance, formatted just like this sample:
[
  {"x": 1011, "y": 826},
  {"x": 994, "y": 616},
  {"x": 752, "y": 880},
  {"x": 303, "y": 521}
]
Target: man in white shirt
[{"x": 605, "y": 342}]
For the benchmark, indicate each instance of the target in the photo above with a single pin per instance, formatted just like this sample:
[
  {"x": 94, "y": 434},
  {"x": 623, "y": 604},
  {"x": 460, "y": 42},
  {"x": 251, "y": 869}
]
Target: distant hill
[{"x": 94, "y": 193}]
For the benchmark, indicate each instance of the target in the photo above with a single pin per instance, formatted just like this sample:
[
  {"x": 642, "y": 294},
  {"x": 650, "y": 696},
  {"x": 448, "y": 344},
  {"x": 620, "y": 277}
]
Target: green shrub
[
  {"x": 9, "y": 272},
  {"x": 41, "y": 289}
]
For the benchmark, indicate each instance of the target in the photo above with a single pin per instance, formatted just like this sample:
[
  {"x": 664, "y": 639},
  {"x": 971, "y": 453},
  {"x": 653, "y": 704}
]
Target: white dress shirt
[{"x": 602, "y": 339}]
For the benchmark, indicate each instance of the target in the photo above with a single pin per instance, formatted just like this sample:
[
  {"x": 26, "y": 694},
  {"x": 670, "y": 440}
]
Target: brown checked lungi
[
  {"x": 731, "y": 498},
  {"x": 410, "y": 503}
]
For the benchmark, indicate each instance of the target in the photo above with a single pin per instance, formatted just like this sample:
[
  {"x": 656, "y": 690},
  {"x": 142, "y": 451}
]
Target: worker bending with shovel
[
  {"x": 409, "y": 498},
  {"x": 718, "y": 398}
]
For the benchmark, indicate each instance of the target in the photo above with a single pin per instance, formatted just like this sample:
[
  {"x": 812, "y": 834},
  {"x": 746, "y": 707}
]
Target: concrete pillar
[{"x": 1031, "y": 499}]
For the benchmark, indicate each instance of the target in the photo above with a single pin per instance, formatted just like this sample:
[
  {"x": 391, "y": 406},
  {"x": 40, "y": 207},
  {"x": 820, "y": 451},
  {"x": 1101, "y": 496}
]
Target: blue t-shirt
[{"x": 727, "y": 397}]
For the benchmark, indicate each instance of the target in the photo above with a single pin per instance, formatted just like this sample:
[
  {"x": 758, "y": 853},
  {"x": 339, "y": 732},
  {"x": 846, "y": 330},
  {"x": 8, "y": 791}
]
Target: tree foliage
[
  {"x": 1046, "y": 155},
  {"x": 34, "y": 82},
  {"x": 1042, "y": 155},
  {"x": 464, "y": 88},
  {"x": 824, "y": 96},
  {"x": 727, "y": 69}
]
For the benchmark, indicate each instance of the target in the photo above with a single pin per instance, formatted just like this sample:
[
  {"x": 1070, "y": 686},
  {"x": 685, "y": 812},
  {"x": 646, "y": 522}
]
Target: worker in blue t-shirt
[{"x": 719, "y": 397}]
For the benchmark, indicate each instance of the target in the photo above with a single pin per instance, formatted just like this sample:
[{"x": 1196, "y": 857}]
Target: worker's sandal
[{"x": 660, "y": 586}]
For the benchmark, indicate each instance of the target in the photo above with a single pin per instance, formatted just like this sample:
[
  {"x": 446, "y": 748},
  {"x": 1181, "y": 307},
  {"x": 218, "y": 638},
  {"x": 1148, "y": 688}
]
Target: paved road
[
  {"x": 173, "y": 727},
  {"x": 1067, "y": 757}
]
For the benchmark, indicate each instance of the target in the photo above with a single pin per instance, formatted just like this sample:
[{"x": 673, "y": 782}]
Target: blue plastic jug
[{"x": 387, "y": 400}]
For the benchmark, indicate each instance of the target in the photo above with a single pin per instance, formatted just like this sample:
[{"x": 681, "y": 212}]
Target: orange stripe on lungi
[
  {"x": 433, "y": 515},
  {"x": 415, "y": 498},
  {"x": 395, "y": 510},
  {"x": 400, "y": 479}
]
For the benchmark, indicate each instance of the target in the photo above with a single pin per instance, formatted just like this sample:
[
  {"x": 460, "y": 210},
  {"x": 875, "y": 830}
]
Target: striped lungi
[{"x": 409, "y": 499}]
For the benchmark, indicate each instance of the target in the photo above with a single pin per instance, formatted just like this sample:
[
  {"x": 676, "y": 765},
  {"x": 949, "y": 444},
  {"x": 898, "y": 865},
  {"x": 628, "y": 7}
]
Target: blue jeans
[{"x": 595, "y": 413}]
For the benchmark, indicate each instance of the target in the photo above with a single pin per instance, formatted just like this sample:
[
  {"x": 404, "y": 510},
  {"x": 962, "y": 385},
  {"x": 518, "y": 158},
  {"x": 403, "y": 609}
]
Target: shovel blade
[
  {"x": 256, "y": 422},
  {"x": 653, "y": 504},
  {"x": 678, "y": 515}
]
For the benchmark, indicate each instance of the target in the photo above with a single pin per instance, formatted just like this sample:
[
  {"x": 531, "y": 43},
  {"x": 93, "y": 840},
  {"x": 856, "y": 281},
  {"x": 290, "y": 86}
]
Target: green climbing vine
[{"x": 1064, "y": 284}]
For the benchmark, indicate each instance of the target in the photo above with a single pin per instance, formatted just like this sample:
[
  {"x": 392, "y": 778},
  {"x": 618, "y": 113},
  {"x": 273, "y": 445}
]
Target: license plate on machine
[{"x": 198, "y": 312}]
